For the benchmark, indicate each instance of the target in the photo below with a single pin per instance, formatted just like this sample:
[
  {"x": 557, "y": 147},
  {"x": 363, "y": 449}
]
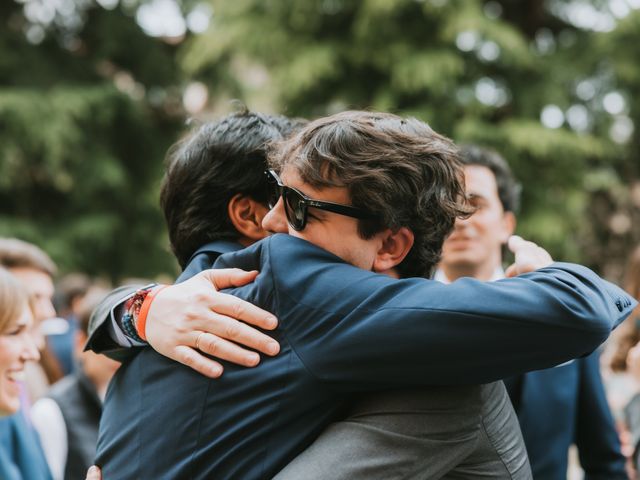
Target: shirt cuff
[{"x": 114, "y": 327}]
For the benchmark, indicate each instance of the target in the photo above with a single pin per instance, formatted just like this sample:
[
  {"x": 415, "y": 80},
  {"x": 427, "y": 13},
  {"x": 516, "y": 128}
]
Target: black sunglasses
[{"x": 297, "y": 203}]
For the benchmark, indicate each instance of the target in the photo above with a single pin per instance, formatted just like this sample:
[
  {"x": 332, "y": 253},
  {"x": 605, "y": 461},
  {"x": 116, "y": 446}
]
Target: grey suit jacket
[{"x": 430, "y": 433}]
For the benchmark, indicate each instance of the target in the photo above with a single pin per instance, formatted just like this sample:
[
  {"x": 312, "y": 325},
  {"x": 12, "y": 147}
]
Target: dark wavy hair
[
  {"x": 206, "y": 169},
  {"x": 399, "y": 168}
]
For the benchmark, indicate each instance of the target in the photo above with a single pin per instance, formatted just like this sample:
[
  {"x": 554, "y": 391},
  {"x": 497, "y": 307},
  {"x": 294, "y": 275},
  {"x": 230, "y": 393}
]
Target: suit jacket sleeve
[
  {"x": 100, "y": 337},
  {"x": 359, "y": 331},
  {"x": 596, "y": 436}
]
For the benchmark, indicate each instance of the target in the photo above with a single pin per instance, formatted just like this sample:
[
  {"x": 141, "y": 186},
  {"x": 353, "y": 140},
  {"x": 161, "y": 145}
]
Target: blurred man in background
[
  {"x": 556, "y": 407},
  {"x": 61, "y": 334}
]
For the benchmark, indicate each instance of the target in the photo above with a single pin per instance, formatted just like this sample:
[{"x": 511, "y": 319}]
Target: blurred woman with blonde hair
[{"x": 17, "y": 346}]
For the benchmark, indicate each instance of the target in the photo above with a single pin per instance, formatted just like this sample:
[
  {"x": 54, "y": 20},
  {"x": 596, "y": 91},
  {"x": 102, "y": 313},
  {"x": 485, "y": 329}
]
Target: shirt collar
[{"x": 440, "y": 276}]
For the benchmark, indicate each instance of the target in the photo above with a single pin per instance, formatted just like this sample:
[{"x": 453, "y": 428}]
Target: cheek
[
  {"x": 7, "y": 352},
  {"x": 9, "y": 391},
  {"x": 486, "y": 222}
]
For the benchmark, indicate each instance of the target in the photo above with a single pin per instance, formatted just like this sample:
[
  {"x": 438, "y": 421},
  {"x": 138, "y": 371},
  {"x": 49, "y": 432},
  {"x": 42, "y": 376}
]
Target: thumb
[
  {"x": 515, "y": 242},
  {"x": 229, "y": 277},
  {"x": 512, "y": 271}
]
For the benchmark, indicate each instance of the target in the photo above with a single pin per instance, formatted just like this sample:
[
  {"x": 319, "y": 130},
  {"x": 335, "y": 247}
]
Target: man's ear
[
  {"x": 246, "y": 215},
  {"x": 393, "y": 250},
  {"x": 79, "y": 341},
  {"x": 508, "y": 226}
]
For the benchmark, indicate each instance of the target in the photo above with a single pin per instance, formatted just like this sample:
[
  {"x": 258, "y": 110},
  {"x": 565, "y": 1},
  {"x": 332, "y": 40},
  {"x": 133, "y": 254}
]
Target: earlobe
[
  {"x": 246, "y": 215},
  {"x": 394, "y": 248}
]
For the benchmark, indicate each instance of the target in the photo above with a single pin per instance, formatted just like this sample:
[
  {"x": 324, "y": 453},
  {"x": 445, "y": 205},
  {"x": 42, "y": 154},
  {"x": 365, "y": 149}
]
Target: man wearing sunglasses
[
  {"x": 345, "y": 329},
  {"x": 448, "y": 416},
  {"x": 297, "y": 204}
]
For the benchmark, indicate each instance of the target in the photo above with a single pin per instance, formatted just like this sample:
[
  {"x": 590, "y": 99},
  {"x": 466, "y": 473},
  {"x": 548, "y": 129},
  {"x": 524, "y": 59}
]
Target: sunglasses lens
[
  {"x": 273, "y": 191},
  {"x": 295, "y": 209}
]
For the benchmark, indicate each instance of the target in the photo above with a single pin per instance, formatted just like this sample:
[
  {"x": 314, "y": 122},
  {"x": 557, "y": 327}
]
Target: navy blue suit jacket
[
  {"x": 566, "y": 405},
  {"x": 341, "y": 330}
]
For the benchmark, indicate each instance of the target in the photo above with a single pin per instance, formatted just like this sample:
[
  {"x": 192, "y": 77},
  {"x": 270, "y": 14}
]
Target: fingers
[
  {"x": 94, "y": 473},
  {"x": 237, "y": 332},
  {"x": 235, "y": 307},
  {"x": 198, "y": 362},
  {"x": 229, "y": 277},
  {"x": 528, "y": 256},
  {"x": 225, "y": 350},
  {"x": 511, "y": 271},
  {"x": 239, "y": 309},
  {"x": 516, "y": 243}
]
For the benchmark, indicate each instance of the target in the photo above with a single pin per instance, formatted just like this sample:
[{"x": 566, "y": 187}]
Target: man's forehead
[
  {"x": 36, "y": 281},
  {"x": 291, "y": 177},
  {"x": 480, "y": 181}
]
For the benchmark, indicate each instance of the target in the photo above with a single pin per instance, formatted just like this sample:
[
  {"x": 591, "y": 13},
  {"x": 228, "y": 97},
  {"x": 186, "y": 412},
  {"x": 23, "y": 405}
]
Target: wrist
[
  {"x": 141, "y": 321},
  {"x": 136, "y": 310}
]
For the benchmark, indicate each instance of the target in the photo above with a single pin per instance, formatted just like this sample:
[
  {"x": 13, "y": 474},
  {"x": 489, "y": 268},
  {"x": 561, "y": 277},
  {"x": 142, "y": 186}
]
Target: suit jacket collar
[{"x": 204, "y": 257}]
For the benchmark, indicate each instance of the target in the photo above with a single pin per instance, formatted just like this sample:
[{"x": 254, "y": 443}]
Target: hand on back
[{"x": 192, "y": 318}]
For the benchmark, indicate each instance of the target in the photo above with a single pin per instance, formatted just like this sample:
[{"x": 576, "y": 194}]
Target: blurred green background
[{"x": 92, "y": 93}]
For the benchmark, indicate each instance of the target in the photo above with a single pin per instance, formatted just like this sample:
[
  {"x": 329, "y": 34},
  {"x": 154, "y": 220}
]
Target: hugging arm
[
  {"x": 383, "y": 333},
  {"x": 189, "y": 309},
  {"x": 416, "y": 332},
  {"x": 467, "y": 332}
]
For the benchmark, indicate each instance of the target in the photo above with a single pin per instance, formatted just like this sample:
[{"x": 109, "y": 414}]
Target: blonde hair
[{"x": 13, "y": 299}]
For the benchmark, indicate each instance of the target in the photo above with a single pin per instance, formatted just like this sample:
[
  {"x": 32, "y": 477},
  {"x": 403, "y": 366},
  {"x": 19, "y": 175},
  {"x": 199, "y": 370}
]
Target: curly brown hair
[{"x": 398, "y": 168}]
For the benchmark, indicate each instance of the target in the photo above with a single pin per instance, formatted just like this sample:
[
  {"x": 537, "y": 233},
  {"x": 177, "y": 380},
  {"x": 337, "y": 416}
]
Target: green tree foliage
[
  {"x": 83, "y": 137},
  {"x": 478, "y": 71},
  {"x": 89, "y": 105}
]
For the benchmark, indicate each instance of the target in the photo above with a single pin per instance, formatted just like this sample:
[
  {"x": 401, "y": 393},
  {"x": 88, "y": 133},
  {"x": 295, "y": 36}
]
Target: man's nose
[
  {"x": 461, "y": 222},
  {"x": 275, "y": 220},
  {"x": 30, "y": 351},
  {"x": 44, "y": 309}
]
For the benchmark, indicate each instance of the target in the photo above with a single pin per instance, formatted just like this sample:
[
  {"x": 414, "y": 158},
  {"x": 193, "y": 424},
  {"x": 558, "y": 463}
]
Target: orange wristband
[{"x": 141, "y": 323}]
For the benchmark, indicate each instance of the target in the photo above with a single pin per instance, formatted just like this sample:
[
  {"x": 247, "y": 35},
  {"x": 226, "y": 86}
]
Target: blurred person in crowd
[
  {"x": 624, "y": 362},
  {"x": 155, "y": 370},
  {"x": 19, "y": 459},
  {"x": 556, "y": 407},
  {"x": 35, "y": 269},
  {"x": 628, "y": 334},
  {"x": 17, "y": 345},
  {"x": 61, "y": 334},
  {"x": 632, "y": 409},
  {"x": 67, "y": 418}
]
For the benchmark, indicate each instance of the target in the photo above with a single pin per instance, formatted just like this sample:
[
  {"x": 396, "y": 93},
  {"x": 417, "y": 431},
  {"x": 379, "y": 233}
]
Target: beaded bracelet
[
  {"x": 132, "y": 310},
  {"x": 141, "y": 321}
]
